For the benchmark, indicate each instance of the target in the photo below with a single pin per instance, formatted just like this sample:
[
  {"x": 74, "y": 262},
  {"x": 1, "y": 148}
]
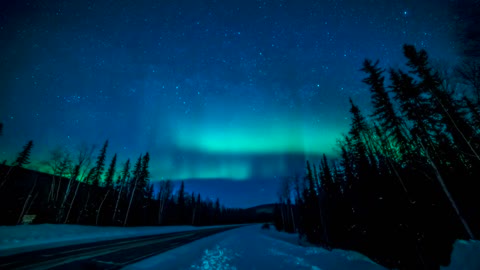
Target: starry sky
[{"x": 229, "y": 96}]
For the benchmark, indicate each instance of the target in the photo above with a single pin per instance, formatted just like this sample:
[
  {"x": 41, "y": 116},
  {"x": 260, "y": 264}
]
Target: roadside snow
[
  {"x": 23, "y": 238},
  {"x": 252, "y": 248},
  {"x": 465, "y": 256}
]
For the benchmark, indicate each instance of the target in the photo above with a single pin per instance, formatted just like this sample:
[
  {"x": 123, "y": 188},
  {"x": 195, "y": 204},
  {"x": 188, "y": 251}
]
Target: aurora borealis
[{"x": 213, "y": 90}]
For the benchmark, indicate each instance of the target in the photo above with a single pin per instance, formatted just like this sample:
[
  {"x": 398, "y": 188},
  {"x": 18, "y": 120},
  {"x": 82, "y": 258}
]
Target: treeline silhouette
[
  {"x": 82, "y": 190},
  {"x": 404, "y": 188}
]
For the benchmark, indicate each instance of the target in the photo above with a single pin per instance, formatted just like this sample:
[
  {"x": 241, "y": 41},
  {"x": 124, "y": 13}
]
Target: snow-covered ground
[
  {"x": 465, "y": 256},
  {"x": 253, "y": 248},
  {"x": 247, "y": 247}
]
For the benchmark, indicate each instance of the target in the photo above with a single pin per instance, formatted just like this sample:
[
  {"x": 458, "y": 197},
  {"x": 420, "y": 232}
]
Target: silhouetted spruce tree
[
  {"x": 359, "y": 149},
  {"x": 328, "y": 194},
  {"x": 144, "y": 180},
  {"x": 363, "y": 185},
  {"x": 135, "y": 176},
  {"x": 1, "y": 129},
  {"x": 346, "y": 163},
  {"x": 316, "y": 178},
  {"x": 326, "y": 179},
  {"x": 144, "y": 193},
  {"x": 24, "y": 156},
  {"x": 415, "y": 107},
  {"x": 460, "y": 132},
  {"x": 339, "y": 216},
  {"x": 97, "y": 171},
  {"x": 181, "y": 204},
  {"x": 22, "y": 159},
  {"x": 194, "y": 208},
  {"x": 442, "y": 100},
  {"x": 311, "y": 211},
  {"x": 384, "y": 112},
  {"x": 217, "y": 212},
  {"x": 199, "y": 212},
  {"x": 364, "y": 205},
  {"x": 111, "y": 172}
]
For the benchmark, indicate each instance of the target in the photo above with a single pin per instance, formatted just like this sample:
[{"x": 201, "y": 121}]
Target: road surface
[{"x": 110, "y": 254}]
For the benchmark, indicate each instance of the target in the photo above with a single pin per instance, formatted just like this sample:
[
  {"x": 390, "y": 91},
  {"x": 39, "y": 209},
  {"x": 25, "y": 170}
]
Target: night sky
[{"x": 227, "y": 95}]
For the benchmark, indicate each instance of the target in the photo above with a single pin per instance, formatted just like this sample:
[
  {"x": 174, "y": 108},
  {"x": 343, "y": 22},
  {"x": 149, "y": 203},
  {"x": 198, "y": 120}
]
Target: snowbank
[
  {"x": 22, "y": 238},
  {"x": 465, "y": 256},
  {"x": 253, "y": 248}
]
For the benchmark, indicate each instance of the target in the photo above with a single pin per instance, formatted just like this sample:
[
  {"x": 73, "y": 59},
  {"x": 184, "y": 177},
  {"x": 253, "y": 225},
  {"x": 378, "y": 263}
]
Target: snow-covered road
[
  {"x": 248, "y": 247},
  {"x": 253, "y": 248}
]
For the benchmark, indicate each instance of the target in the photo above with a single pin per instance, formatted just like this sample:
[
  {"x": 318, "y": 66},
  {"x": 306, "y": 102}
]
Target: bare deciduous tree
[
  {"x": 84, "y": 162},
  {"x": 165, "y": 192}
]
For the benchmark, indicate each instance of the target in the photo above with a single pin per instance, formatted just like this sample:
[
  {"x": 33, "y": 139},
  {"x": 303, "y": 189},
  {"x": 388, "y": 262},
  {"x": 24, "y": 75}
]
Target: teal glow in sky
[{"x": 240, "y": 90}]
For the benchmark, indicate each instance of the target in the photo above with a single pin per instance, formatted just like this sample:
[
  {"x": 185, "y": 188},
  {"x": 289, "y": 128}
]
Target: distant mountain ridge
[{"x": 263, "y": 208}]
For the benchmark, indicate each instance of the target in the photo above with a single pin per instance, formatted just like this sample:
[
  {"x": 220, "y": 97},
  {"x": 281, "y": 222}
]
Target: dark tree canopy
[
  {"x": 404, "y": 188},
  {"x": 23, "y": 157}
]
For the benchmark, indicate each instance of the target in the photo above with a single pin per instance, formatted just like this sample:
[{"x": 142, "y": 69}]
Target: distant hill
[{"x": 264, "y": 208}]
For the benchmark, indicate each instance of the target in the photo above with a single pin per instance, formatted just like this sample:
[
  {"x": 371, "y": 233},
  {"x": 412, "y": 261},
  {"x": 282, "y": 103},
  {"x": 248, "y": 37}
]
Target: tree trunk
[
  {"x": 52, "y": 190},
  {"x": 456, "y": 127},
  {"x": 193, "y": 215},
  {"x": 5, "y": 178},
  {"x": 283, "y": 217},
  {"x": 58, "y": 188},
  {"x": 130, "y": 203},
  {"x": 26, "y": 201},
  {"x": 31, "y": 203},
  {"x": 71, "y": 203},
  {"x": 293, "y": 219},
  {"x": 85, "y": 206},
  {"x": 447, "y": 193},
  {"x": 116, "y": 204},
  {"x": 100, "y": 207},
  {"x": 61, "y": 210}
]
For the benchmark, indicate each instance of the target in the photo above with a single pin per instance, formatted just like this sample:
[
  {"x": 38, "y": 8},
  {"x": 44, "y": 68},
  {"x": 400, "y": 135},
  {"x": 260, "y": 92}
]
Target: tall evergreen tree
[
  {"x": 144, "y": 180},
  {"x": 346, "y": 163},
  {"x": 181, "y": 203},
  {"x": 111, "y": 172},
  {"x": 384, "y": 113},
  {"x": 136, "y": 174},
  {"x": 359, "y": 149},
  {"x": 99, "y": 165},
  {"x": 416, "y": 107},
  {"x": 216, "y": 215},
  {"x": 327, "y": 182},
  {"x": 24, "y": 156},
  {"x": 443, "y": 102},
  {"x": 310, "y": 178}
]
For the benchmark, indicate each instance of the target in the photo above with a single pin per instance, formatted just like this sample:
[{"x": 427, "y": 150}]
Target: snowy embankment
[{"x": 23, "y": 238}]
